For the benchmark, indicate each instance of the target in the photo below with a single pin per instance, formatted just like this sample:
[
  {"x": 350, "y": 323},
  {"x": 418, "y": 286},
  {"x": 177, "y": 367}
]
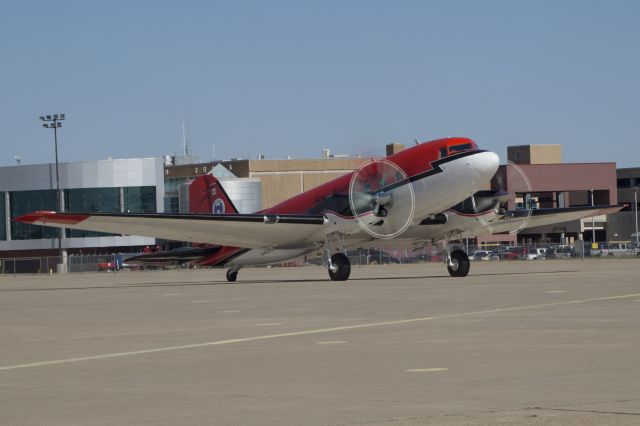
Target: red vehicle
[
  {"x": 513, "y": 253},
  {"x": 431, "y": 192},
  {"x": 106, "y": 266}
]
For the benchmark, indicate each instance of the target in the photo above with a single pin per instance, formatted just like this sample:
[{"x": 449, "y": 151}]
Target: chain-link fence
[
  {"x": 47, "y": 265},
  {"x": 371, "y": 256}
]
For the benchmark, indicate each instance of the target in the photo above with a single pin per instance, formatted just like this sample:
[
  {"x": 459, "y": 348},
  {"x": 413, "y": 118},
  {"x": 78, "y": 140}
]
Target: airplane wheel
[
  {"x": 232, "y": 275},
  {"x": 460, "y": 264},
  {"x": 341, "y": 267}
]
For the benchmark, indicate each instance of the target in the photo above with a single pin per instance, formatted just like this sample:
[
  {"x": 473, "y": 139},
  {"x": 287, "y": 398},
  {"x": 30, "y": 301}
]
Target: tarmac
[{"x": 515, "y": 343}]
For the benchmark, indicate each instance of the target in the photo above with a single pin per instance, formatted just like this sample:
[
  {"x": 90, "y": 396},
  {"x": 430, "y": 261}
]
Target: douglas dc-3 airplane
[{"x": 435, "y": 191}]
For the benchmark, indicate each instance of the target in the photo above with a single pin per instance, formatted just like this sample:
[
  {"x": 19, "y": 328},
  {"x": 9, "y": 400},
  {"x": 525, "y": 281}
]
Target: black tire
[
  {"x": 461, "y": 264},
  {"x": 232, "y": 275},
  {"x": 341, "y": 267}
]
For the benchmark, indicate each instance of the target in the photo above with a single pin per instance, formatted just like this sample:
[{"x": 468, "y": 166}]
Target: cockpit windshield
[
  {"x": 452, "y": 149},
  {"x": 459, "y": 148}
]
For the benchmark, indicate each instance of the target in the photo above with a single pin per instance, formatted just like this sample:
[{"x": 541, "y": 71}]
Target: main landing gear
[
  {"x": 339, "y": 267},
  {"x": 232, "y": 275},
  {"x": 337, "y": 263},
  {"x": 458, "y": 263}
]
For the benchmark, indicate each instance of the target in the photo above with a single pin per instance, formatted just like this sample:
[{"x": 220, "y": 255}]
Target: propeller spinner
[{"x": 382, "y": 199}]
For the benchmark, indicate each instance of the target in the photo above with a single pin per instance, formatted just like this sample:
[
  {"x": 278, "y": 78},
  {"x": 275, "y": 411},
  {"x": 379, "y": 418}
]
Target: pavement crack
[
  {"x": 322, "y": 398},
  {"x": 575, "y": 410},
  {"x": 420, "y": 417}
]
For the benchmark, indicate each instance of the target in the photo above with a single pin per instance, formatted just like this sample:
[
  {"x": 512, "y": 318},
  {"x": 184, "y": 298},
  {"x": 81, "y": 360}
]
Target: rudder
[{"x": 206, "y": 195}]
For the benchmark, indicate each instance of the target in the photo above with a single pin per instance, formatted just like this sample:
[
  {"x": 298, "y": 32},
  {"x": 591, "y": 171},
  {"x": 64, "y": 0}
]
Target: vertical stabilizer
[{"x": 206, "y": 195}]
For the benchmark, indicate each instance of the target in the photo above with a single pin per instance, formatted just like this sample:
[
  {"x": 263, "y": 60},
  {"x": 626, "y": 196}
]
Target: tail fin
[{"x": 206, "y": 195}]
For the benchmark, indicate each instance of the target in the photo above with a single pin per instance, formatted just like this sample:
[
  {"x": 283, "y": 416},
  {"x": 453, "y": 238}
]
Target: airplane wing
[
  {"x": 453, "y": 224},
  {"x": 514, "y": 219},
  {"x": 237, "y": 230}
]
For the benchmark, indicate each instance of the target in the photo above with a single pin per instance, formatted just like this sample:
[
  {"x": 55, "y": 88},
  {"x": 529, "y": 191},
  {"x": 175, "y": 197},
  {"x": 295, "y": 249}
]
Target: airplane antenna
[
  {"x": 18, "y": 159},
  {"x": 186, "y": 144},
  {"x": 416, "y": 141}
]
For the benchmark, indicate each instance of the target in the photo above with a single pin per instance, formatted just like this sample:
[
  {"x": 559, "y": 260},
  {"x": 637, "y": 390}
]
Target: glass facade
[
  {"x": 171, "y": 194},
  {"x": 140, "y": 199},
  {"x": 23, "y": 202},
  {"x": 3, "y": 219},
  {"x": 91, "y": 200},
  {"x": 103, "y": 200},
  {"x": 137, "y": 199},
  {"x": 624, "y": 183}
]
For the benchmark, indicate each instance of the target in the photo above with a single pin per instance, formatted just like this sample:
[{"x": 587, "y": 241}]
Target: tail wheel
[
  {"x": 459, "y": 265},
  {"x": 340, "y": 268},
  {"x": 232, "y": 275}
]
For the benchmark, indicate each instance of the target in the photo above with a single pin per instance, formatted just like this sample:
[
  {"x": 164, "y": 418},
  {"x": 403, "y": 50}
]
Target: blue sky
[{"x": 292, "y": 77}]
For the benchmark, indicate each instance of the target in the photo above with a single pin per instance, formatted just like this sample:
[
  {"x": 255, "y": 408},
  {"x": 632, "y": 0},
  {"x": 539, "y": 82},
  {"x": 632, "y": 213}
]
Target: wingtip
[
  {"x": 45, "y": 217},
  {"x": 34, "y": 217}
]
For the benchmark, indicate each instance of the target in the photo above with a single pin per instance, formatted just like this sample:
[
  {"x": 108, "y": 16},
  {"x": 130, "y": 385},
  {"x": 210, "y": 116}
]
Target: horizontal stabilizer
[{"x": 173, "y": 257}]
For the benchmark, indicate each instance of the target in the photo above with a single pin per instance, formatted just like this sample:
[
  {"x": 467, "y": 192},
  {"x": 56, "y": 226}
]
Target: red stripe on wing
[{"x": 43, "y": 217}]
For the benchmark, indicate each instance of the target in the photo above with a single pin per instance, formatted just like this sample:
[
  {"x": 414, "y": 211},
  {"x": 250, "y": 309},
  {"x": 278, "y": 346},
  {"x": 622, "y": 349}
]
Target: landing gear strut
[
  {"x": 232, "y": 275},
  {"x": 339, "y": 267},
  {"x": 458, "y": 263}
]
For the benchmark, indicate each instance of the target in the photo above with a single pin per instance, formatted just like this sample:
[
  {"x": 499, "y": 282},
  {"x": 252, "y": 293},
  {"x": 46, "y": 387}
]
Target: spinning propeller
[
  {"x": 513, "y": 178},
  {"x": 382, "y": 199}
]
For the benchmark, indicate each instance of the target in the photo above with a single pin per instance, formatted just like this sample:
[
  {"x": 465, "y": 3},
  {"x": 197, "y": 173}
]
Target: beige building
[
  {"x": 281, "y": 179},
  {"x": 535, "y": 154}
]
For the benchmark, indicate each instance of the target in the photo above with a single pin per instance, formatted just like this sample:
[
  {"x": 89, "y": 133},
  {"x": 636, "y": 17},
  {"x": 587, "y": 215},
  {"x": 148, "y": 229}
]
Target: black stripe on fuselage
[
  {"x": 435, "y": 168},
  {"x": 233, "y": 256}
]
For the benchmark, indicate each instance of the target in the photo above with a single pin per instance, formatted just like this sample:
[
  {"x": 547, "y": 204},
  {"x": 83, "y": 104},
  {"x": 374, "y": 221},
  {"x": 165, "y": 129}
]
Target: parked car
[
  {"x": 495, "y": 255},
  {"x": 480, "y": 255},
  {"x": 560, "y": 252},
  {"x": 115, "y": 265},
  {"x": 375, "y": 256},
  {"x": 106, "y": 266},
  {"x": 511, "y": 253},
  {"x": 536, "y": 253},
  {"x": 619, "y": 249}
]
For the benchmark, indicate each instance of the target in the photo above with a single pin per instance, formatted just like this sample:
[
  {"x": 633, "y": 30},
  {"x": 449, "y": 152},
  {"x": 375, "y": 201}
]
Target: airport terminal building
[{"x": 125, "y": 185}]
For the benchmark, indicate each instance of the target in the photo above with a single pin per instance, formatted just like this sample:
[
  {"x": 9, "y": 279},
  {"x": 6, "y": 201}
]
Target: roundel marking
[{"x": 218, "y": 206}]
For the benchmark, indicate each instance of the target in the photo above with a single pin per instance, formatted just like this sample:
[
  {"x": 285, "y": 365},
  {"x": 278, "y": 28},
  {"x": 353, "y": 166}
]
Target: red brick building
[{"x": 536, "y": 177}]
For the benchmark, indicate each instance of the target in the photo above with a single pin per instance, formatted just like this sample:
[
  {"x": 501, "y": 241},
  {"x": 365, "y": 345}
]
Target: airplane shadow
[{"x": 251, "y": 282}]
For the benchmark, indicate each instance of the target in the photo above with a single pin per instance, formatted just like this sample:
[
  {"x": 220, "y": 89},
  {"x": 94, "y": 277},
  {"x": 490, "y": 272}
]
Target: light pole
[
  {"x": 593, "y": 223},
  {"x": 54, "y": 122},
  {"x": 635, "y": 204}
]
